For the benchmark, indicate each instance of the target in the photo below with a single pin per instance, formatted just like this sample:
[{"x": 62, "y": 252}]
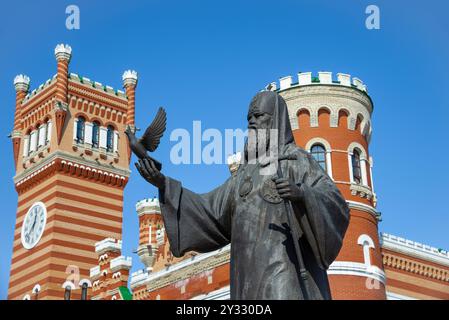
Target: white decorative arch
[
  {"x": 367, "y": 243},
  {"x": 36, "y": 288},
  {"x": 363, "y": 162},
  {"x": 326, "y": 146},
  {"x": 26, "y": 297},
  {"x": 83, "y": 281},
  {"x": 69, "y": 284}
]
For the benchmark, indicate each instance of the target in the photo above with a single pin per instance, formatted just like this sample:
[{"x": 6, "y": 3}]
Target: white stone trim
[
  {"x": 36, "y": 288},
  {"x": 49, "y": 127},
  {"x": 33, "y": 141},
  {"x": 88, "y": 131},
  {"x": 219, "y": 294},
  {"x": 103, "y": 137},
  {"x": 358, "y": 269},
  {"x": 69, "y": 284},
  {"x": 83, "y": 281},
  {"x": 363, "y": 207},
  {"x": 367, "y": 243},
  {"x": 116, "y": 137},
  {"x": 75, "y": 128},
  {"x": 42, "y": 135},
  {"x": 414, "y": 249},
  {"x": 26, "y": 297},
  {"x": 397, "y": 296},
  {"x": 285, "y": 82},
  {"x": 26, "y": 143}
]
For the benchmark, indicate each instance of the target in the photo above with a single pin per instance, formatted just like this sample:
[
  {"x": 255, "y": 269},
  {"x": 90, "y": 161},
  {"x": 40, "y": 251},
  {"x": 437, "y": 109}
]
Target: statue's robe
[
  {"x": 263, "y": 262},
  {"x": 263, "y": 259}
]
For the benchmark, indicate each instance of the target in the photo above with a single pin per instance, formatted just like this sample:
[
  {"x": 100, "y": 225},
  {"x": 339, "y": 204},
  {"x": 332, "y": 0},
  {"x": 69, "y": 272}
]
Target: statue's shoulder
[{"x": 298, "y": 151}]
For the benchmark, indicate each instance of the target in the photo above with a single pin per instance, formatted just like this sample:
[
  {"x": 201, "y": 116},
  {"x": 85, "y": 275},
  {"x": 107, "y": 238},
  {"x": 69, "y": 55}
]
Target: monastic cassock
[{"x": 245, "y": 212}]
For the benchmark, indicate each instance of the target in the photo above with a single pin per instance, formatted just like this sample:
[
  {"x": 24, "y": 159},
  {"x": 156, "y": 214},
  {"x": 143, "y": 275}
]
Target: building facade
[
  {"x": 72, "y": 165},
  {"x": 331, "y": 119}
]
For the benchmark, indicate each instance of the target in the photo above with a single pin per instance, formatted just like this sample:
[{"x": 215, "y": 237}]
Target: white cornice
[
  {"x": 414, "y": 249},
  {"x": 68, "y": 157},
  {"x": 363, "y": 207},
  {"x": 356, "y": 269}
]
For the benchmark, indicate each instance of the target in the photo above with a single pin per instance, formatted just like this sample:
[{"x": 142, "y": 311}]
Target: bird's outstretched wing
[{"x": 152, "y": 136}]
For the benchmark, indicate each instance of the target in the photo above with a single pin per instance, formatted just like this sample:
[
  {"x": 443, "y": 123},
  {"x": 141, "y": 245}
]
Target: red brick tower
[
  {"x": 332, "y": 120},
  {"x": 72, "y": 166}
]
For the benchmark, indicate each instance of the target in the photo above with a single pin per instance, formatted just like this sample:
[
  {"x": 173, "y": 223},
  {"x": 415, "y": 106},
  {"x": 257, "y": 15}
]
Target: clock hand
[{"x": 34, "y": 223}]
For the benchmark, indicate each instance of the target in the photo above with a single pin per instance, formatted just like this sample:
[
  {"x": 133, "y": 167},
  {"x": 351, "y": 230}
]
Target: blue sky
[{"x": 204, "y": 60}]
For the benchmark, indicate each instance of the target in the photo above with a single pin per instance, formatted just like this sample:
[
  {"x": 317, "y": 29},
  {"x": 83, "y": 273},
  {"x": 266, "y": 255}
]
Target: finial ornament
[
  {"x": 129, "y": 77},
  {"x": 63, "y": 52},
  {"x": 22, "y": 82}
]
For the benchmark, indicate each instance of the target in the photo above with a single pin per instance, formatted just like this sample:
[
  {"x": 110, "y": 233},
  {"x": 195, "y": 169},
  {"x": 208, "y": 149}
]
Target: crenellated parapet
[
  {"x": 323, "y": 78},
  {"x": 148, "y": 206},
  {"x": 341, "y": 95}
]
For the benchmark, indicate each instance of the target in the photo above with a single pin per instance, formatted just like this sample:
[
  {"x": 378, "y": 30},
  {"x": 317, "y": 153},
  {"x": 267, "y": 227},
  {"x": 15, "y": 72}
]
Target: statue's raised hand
[{"x": 150, "y": 173}]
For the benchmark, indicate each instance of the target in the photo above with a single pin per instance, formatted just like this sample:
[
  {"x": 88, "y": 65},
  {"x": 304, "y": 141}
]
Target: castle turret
[
  {"x": 22, "y": 85},
  {"x": 63, "y": 54},
  {"x": 110, "y": 278},
  {"x": 129, "y": 83},
  {"x": 151, "y": 231},
  {"x": 331, "y": 119}
]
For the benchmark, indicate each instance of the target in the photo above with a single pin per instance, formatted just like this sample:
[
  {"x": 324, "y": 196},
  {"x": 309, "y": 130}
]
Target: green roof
[{"x": 125, "y": 293}]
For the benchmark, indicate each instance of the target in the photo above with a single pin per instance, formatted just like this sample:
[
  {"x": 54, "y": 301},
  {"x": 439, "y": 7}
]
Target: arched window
[
  {"x": 356, "y": 168},
  {"x": 110, "y": 139},
  {"x": 67, "y": 292},
  {"x": 319, "y": 154},
  {"x": 80, "y": 130},
  {"x": 84, "y": 291},
  {"x": 95, "y": 134}
]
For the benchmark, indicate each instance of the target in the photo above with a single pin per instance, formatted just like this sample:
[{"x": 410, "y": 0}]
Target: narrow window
[
  {"x": 110, "y": 139},
  {"x": 84, "y": 291},
  {"x": 67, "y": 293},
  {"x": 95, "y": 134},
  {"x": 319, "y": 154},
  {"x": 356, "y": 170},
  {"x": 80, "y": 130}
]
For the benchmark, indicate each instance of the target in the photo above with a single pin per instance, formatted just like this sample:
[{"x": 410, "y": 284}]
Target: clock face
[{"x": 33, "y": 225}]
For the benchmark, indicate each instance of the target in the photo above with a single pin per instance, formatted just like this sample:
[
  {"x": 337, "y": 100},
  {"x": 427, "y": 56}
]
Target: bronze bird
[{"x": 150, "y": 139}]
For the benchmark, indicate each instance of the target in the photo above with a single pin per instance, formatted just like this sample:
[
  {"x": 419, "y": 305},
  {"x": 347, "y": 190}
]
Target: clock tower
[{"x": 72, "y": 165}]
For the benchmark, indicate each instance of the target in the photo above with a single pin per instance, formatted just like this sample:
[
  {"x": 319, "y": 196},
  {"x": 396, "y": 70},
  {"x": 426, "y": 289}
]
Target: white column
[
  {"x": 115, "y": 147},
  {"x": 371, "y": 173},
  {"x": 33, "y": 141},
  {"x": 351, "y": 175},
  {"x": 88, "y": 133},
  {"x": 26, "y": 145},
  {"x": 75, "y": 128},
  {"x": 363, "y": 164},
  {"x": 329, "y": 163},
  {"x": 48, "y": 138},
  {"x": 42, "y": 135},
  {"x": 103, "y": 137}
]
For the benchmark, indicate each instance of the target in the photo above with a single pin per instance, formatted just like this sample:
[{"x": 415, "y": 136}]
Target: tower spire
[
  {"x": 22, "y": 85},
  {"x": 63, "y": 54}
]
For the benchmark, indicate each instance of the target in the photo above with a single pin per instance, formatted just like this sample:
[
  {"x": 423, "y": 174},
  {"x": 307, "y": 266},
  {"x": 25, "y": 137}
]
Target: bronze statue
[{"x": 285, "y": 229}]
